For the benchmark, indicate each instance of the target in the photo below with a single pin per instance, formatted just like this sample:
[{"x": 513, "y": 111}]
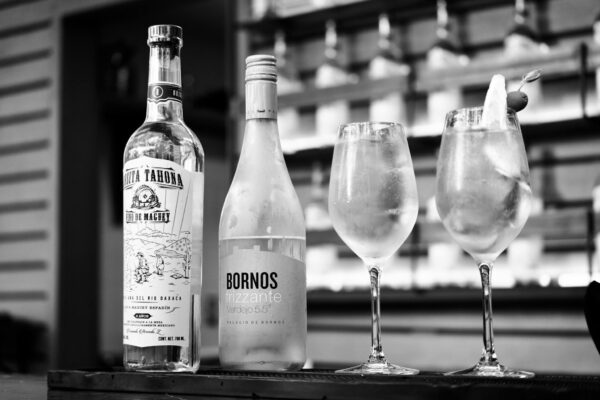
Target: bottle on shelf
[
  {"x": 545, "y": 199},
  {"x": 443, "y": 54},
  {"x": 317, "y": 216},
  {"x": 288, "y": 82},
  {"x": 263, "y": 9},
  {"x": 442, "y": 256},
  {"x": 163, "y": 189},
  {"x": 330, "y": 116},
  {"x": 522, "y": 40},
  {"x": 262, "y": 241},
  {"x": 595, "y": 269},
  {"x": 597, "y": 42},
  {"x": 526, "y": 250},
  {"x": 320, "y": 258},
  {"x": 387, "y": 63}
]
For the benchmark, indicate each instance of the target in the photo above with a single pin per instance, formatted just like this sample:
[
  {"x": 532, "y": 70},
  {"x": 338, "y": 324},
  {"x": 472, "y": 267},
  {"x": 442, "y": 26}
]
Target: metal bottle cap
[
  {"x": 165, "y": 33},
  {"x": 261, "y": 67}
]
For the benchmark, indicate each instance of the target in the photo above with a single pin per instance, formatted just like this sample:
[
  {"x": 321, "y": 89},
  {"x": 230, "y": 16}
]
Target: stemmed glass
[
  {"x": 373, "y": 206},
  {"x": 483, "y": 198}
]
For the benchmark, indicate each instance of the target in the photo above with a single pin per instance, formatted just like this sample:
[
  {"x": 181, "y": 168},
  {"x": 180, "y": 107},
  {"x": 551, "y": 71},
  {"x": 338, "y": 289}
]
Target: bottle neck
[
  {"x": 261, "y": 135},
  {"x": 443, "y": 23},
  {"x": 164, "y": 102},
  {"x": 520, "y": 12},
  {"x": 261, "y": 100}
]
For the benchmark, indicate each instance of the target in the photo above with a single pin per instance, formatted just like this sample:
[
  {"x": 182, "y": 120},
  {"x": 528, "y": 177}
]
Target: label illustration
[
  {"x": 157, "y": 205},
  {"x": 159, "y": 92}
]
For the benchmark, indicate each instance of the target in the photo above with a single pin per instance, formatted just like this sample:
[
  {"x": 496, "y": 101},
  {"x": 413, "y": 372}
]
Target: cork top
[
  {"x": 261, "y": 67},
  {"x": 165, "y": 33}
]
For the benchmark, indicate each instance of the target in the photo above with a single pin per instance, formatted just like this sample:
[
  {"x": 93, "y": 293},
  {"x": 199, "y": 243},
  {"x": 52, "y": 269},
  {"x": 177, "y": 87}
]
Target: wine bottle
[
  {"x": 163, "y": 188},
  {"x": 262, "y": 240}
]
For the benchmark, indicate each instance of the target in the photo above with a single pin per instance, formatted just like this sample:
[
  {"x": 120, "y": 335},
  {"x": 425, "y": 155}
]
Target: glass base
[
  {"x": 495, "y": 370},
  {"x": 380, "y": 368}
]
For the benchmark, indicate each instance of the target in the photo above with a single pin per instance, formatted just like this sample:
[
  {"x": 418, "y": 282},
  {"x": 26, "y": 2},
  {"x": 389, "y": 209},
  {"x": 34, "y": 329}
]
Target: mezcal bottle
[
  {"x": 163, "y": 189},
  {"x": 262, "y": 240}
]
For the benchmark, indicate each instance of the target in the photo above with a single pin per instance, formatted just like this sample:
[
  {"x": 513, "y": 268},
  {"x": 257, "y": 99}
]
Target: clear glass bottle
[
  {"x": 262, "y": 240},
  {"x": 329, "y": 116},
  {"x": 163, "y": 189},
  {"x": 390, "y": 107},
  {"x": 596, "y": 28},
  {"x": 522, "y": 41},
  {"x": 444, "y": 54},
  {"x": 289, "y": 81}
]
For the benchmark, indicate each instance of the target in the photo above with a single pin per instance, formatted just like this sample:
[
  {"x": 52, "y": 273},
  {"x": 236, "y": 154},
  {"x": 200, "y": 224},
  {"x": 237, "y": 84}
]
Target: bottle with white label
[
  {"x": 262, "y": 240},
  {"x": 163, "y": 189}
]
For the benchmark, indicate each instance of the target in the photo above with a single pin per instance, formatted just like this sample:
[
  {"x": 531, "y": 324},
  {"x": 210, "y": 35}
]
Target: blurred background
[{"x": 73, "y": 77}]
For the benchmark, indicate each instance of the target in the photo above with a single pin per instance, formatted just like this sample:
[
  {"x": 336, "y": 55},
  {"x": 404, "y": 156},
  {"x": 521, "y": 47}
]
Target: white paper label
[
  {"x": 158, "y": 199},
  {"x": 262, "y": 297}
]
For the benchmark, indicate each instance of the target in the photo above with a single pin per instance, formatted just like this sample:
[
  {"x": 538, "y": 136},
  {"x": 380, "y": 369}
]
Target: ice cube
[{"x": 494, "y": 107}]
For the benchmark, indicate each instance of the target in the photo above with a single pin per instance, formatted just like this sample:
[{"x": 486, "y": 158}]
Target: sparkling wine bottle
[
  {"x": 262, "y": 272},
  {"x": 163, "y": 187}
]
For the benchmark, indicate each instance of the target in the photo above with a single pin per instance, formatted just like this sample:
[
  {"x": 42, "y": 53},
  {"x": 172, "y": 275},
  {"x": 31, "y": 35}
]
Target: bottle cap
[
  {"x": 165, "y": 33},
  {"x": 261, "y": 67}
]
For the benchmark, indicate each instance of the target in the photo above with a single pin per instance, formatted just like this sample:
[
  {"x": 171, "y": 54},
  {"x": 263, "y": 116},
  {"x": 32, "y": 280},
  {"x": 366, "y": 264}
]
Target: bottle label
[
  {"x": 161, "y": 92},
  {"x": 262, "y": 297},
  {"x": 157, "y": 203}
]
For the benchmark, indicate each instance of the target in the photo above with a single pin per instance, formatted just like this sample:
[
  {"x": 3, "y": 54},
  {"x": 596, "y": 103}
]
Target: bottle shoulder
[
  {"x": 265, "y": 206},
  {"x": 167, "y": 140}
]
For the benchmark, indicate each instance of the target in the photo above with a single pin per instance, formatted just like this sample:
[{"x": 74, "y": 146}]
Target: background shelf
[
  {"x": 320, "y": 149},
  {"x": 569, "y": 224}
]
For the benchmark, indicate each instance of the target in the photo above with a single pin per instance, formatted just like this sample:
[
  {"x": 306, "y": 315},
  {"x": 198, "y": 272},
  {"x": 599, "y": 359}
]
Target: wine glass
[
  {"x": 483, "y": 198},
  {"x": 373, "y": 206}
]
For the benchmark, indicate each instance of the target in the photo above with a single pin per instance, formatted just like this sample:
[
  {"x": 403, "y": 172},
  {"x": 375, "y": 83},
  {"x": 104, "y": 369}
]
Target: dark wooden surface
[
  {"x": 22, "y": 387},
  {"x": 313, "y": 384}
]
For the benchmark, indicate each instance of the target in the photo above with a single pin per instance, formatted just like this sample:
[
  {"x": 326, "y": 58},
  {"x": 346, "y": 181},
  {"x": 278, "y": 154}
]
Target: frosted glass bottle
[{"x": 262, "y": 240}]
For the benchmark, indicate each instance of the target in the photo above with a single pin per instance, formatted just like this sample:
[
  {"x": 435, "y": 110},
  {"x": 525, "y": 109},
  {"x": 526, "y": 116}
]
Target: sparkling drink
[
  {"x": 484, "y": 195},
  {"x": 382, "y": 189},
  {"x": 373, "y": 206},
  {"x": 483, "y": 198}
]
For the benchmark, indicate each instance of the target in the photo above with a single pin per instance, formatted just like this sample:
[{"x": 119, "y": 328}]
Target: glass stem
[
  {"x": 377, "y": 355},
  {"x": 489, "y": 353}
]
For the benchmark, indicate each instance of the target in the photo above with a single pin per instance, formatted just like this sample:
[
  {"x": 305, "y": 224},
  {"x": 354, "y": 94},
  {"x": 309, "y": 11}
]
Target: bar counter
[{"x": 311, "y": 384}]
